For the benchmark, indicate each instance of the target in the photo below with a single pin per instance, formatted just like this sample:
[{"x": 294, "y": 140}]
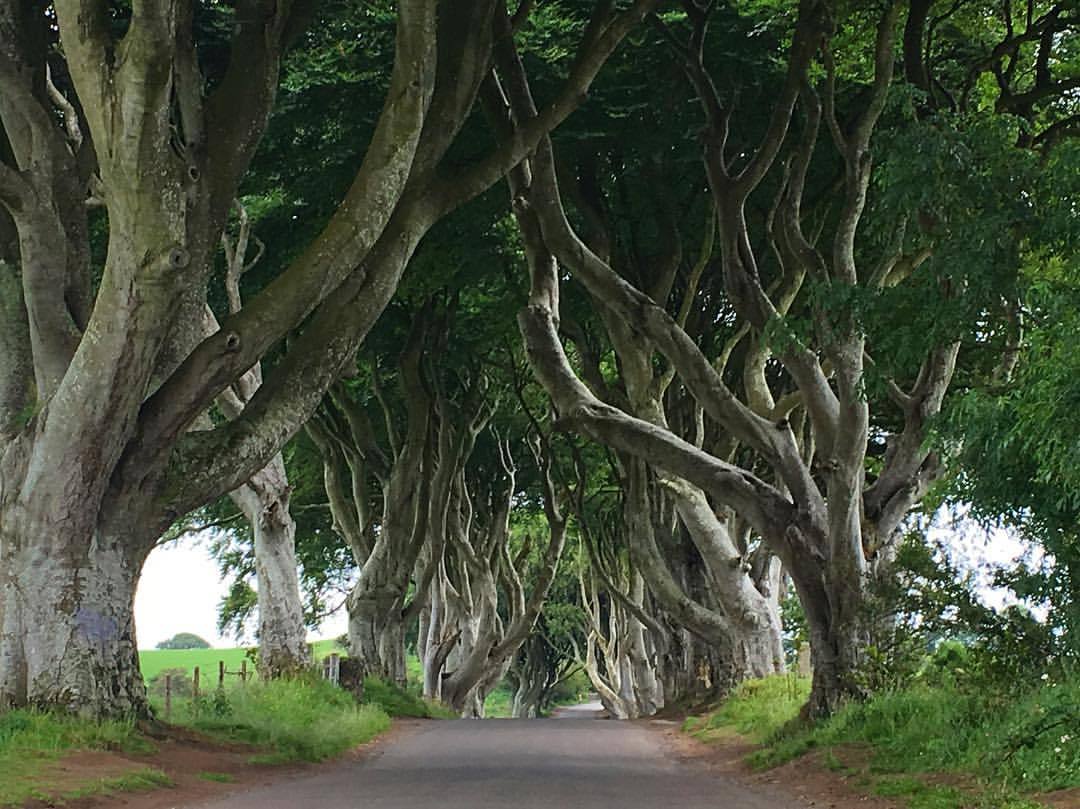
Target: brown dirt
[
  {"x": 1063, "y": 799},
  {"x": 185, "y": 757}
]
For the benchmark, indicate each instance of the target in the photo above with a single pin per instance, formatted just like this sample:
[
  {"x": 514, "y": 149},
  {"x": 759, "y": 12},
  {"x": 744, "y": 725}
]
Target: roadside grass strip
[
  {"x": 31, "y": 741},
  {"x": 997, "y": 749}
]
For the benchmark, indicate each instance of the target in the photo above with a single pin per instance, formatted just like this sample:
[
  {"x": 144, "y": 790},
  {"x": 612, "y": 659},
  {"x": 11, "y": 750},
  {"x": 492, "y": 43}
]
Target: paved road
[
  {"x": 586, "y": 710},
  {"x": 512, "y": 764}
]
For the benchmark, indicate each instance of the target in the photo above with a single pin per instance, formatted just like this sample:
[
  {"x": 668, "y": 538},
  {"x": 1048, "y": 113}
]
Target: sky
[
  {"x": 179, "y": 591},
  {"x": 180, "y": 586}
]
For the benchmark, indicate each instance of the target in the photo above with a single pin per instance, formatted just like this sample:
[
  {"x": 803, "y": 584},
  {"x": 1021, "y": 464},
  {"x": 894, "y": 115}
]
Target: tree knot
[{"x": 179, "y": 258}]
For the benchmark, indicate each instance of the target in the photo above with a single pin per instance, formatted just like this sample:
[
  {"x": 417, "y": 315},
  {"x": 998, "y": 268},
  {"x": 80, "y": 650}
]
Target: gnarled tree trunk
[{"x": 283, "y": 648}]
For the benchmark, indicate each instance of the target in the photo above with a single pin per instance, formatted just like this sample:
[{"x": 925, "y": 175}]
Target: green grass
[
  {"x": 30, "y": 740},
  {"x": 218, "y": 777},
  {"x": 154, "y": 661},
  {"x": 757, "y": 709},
  {"x": 292, "y": 720},
  {"x": 136, "y": 781},
  {"x": 1005, "y": 744},
  {"x": 398, "y": 701},
  {"x": 499, "y": 702}
]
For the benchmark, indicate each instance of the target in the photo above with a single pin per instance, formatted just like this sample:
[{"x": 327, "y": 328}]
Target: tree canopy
[{"x": 554, "y": 336}]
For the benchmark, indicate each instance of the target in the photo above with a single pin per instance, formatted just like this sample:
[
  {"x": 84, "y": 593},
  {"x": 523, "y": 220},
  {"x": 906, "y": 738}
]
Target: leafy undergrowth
[
  {"x": 995, "y": 745},
  {"x": 30, "y": 740},
  {"x": 397, "y": 701},
  {"x": 292, "y": 720}
]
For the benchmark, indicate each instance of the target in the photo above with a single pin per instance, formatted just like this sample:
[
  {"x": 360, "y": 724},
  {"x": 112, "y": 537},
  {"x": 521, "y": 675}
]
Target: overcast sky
[
  {"x": 180, "y": 590},
  {"x": 180, "y": 587}
]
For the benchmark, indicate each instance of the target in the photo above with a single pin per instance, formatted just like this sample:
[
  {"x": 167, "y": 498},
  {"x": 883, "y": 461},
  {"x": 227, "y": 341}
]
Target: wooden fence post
[
  {"x": 168, "y": 696},
  {"x": 243, "y": 672},
  {"x": 332, "y": 668},
  {"x": 221, "y": 675},
  {"x": 195, "y": 685}
]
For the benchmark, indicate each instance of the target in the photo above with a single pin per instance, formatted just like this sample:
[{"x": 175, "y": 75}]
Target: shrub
[
  {"x": 184, "y": 640},
  {"x": 398, "y": 701}
]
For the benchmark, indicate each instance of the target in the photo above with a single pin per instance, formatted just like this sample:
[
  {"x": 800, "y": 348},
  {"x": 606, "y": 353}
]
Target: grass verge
[
  {"x": 292, "y": 720},
  {"x": 998, "y": 747},
  {"x": 31, "y": 740}
]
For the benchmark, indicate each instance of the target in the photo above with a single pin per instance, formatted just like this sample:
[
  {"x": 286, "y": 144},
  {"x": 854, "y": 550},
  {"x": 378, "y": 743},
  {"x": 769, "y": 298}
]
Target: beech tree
[
  {"x": 829, "y": 482},
  {"x": 264, "y": 498},
  {"x": 106, "y": 367}
]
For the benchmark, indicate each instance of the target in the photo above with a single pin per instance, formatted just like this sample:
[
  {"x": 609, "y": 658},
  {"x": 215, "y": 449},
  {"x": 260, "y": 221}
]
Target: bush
[
  {"x": 398, "y": 701},
  {"x": 184, "y": 640},
  {"x": 572, "y": 690}
]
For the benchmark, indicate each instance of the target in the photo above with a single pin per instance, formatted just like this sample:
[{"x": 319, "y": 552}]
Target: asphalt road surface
[{"x": 572, "y": 763}]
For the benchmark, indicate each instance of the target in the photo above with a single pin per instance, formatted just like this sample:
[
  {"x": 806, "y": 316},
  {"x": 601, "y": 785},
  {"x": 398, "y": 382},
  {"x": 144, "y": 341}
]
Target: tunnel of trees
[{"x": 638, "y": 338}]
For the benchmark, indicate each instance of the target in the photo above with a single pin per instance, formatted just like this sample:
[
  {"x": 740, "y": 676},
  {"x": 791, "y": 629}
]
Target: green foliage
[
  {"x": 500, "y": 702},
  {"x": 757, "y": 709},
  {"x": 1024, "y": 738},
  {"x": 293, "y": 720},
  {"x": 398, "y": 701},
  {"x": 184, "y": 640},
  {"x": 571, "y": 690}
]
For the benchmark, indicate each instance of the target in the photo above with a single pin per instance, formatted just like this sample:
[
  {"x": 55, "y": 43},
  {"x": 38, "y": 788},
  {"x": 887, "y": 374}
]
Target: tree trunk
[
  {"x": 282, "y": 637},
  {"x": 67, "y": 634},
  {"x": 377, "y": 631},
  {"x": 838, "y": 643}
]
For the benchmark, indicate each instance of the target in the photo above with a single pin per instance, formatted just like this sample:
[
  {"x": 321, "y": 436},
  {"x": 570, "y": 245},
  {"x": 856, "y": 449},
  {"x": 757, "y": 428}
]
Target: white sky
[
  {"x": 180, "y": 590},
  {"x": 180, "y": 586}
]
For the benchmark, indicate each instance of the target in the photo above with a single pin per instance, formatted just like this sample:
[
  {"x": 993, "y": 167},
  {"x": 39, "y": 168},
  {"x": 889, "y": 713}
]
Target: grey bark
[
  {"x": 116, "y": 387},
  {"x": 264, "y": 501},
  {"x": 815, "y": 525}
]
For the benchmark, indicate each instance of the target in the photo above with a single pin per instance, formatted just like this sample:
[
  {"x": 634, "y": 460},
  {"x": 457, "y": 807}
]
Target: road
[{"x": 572, "y": 763}]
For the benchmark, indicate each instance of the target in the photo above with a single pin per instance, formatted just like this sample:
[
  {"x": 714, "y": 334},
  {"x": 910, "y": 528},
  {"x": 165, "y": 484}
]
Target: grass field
[{"x": 153, "y": 661}]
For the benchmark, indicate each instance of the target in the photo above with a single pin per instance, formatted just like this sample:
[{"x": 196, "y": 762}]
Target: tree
[
  {"x": 823, "y": 480},
  {"x": 107, "y": 369},
  {"x": 184, "y": 640},
  {"x": 264, "y": 501}
]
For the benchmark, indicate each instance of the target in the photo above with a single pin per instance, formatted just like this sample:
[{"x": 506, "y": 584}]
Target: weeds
[{"x": 295, "y": 720}]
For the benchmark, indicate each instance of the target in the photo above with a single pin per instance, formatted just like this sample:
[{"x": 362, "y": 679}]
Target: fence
[
  {"x": 196, "y": 682},
  {"x": 332, "y": 668}
]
